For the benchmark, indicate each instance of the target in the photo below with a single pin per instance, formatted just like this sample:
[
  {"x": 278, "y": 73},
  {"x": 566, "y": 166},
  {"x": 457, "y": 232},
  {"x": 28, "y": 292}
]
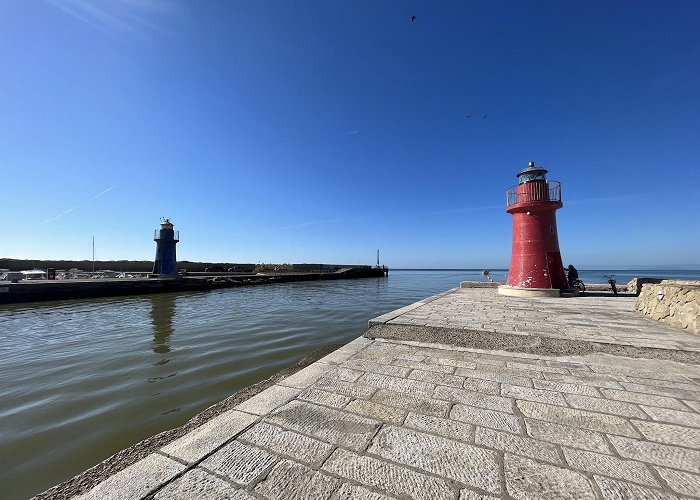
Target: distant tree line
[{"x": 113, "y": 265}]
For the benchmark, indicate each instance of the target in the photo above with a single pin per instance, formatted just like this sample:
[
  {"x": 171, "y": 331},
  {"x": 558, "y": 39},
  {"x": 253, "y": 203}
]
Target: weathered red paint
[{"x": 535, "y": 260}]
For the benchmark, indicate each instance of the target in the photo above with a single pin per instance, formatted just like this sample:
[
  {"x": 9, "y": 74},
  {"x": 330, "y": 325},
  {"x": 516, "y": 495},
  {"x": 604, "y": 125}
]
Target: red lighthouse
[{"x": 535, "y": 264}]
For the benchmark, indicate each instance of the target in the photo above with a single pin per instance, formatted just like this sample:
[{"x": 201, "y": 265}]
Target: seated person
[{"x": 573, "y": 275}]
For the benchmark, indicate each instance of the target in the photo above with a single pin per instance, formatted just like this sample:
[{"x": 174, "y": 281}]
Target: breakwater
[{"x": 43, "y": 290}]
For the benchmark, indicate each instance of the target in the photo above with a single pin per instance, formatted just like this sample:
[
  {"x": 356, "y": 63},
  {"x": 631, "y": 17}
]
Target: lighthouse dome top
[
  {"x": 166, "y": 224},
  {"x": 532, "y": 173}
]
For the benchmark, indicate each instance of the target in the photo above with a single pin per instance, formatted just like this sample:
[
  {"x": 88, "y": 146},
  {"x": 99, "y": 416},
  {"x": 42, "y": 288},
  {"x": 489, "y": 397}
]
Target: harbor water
[{"x": 81, "y": 380}]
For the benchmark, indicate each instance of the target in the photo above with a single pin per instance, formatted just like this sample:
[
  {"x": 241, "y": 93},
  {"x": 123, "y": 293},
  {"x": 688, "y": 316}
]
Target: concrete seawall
[
  {"x": 466, "y": 395},
  {"x": 43, "y": 290}
]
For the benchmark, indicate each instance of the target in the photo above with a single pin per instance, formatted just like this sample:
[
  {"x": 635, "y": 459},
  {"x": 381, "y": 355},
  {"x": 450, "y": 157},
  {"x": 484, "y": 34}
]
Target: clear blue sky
[{"x": 319, "y": 131}]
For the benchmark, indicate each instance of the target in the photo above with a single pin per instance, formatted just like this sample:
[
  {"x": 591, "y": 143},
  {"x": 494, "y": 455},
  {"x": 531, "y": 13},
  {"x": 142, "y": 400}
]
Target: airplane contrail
[
  {"x": 65, "y": 212},
  {"x": 103, "y": 192}
]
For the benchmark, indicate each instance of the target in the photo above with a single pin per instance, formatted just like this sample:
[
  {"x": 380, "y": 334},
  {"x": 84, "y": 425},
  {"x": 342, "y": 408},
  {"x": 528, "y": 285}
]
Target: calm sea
[{"x": 82, "y": 380}]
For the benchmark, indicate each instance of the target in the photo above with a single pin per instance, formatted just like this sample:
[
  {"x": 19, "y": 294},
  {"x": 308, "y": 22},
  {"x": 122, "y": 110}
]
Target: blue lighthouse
[{"x": 166, "y": 239}]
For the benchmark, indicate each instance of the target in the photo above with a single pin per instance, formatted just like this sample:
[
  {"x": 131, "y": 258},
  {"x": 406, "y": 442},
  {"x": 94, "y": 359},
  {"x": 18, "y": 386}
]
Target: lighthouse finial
[{"x": 531, "y": 164}]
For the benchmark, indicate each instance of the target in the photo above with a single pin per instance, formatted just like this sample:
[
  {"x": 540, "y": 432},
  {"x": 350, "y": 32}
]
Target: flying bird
[
  {"x": 484, "y": 115},
  {"x": 413, "y": 18},
  {"x": 469, "y": 116}
]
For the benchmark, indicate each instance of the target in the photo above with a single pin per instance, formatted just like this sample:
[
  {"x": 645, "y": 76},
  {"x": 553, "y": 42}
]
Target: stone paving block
[
  {"x": 632, "y": 372},
  {"x": 496, "y": 377},
  {"x": 601, "y": 405},
  {"x": 411, "y": 402},
  {"x": 452, "y": 429},
  {"x": 209, "y": 436},
  {"x": 583, "y": 380},
  {"x": 526, "y": 372},
  {"x": 645, "y": 399},
  {"x": 536, "y": 367},
  {"x": 353, "y": 492},
  {"x": 422, "y": 365},
  {"x": 268, "y": 400},
  {"x": 688, "y": 418},
  {"x": 608, "y": 465},
  {"x": 657, "y": 454},
  {"x": 517, "y": 445},
  {"x": 482, "y": 357},
  {"x": 682, "y": 482},
  {"x": 479, "y": 385},
  {"x": 197, "y": 483},
  {"x": 441, "y": 456},
  {"x": 528, "y": 359},
  {"x": 347, "y": 351},
  {"x": 437, "y": 378},
  {"x": 567, "y": 436},
  {"x": 578, "y": 418},
  {"x": 527, "y": 479},
  {"x": 452, "y": 363},
  {"x": 282, "y": 442},
  {"x": 620, "y": 490},
  {"x": 390, "y": 348},
  {"x": 409, "y": 358},
  {"x": 388, "y": 477},
  {"x": 137, "y": 480},
  {"x": 406, "y": 320},
  {"x": 376, "y": 411},
  {"x": 669, "y": 433},
  {"x": 240, "y": 463},
  {"x": 471, "y": 398},
  {"x": 398, "y": 384},
  {"x": 326, "y": 424},
  {"x": 342, "y": 388},
  {"x": 307, "y": 376},
  {"x": 570, "y": 365},
  {"x": 585, "y": 390},
  {"x": 344, "y": 374},
  {"x": 325, "y": 398},
  {"x": 538, "y": 395},
  {"x": 292, "y": 481},
  {"x": 370, "y": 366},
  {"x": 661, "y": 391},
  {"x": 593, "y": 374},
  {"x": 695, "y": 405},
  {"x": 472, "y": 495},
  {"x": 684, "y": 386},
  {"x": 487, "y": 418}
]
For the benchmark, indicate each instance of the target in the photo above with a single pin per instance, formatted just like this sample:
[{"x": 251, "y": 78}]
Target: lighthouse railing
[
  {"x": 156, "y": 235},
  {"x": 528, "y": 192}
]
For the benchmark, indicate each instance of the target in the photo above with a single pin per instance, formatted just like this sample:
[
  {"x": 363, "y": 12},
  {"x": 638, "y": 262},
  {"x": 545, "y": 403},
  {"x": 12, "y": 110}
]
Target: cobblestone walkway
[{"x": 381, "y": 419}]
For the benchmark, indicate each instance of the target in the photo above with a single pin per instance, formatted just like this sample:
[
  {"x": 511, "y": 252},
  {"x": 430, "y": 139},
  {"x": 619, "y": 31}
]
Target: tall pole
[
  {"x": 93, "y": 254},
  {"x": 377, "y": 257}
]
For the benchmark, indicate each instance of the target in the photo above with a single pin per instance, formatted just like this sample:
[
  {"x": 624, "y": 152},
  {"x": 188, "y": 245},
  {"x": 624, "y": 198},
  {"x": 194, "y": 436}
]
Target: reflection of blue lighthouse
[{"x": 166, "y": 239}]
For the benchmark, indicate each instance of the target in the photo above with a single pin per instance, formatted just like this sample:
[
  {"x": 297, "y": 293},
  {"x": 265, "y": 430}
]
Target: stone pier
[{"x": 466, "y": 395}]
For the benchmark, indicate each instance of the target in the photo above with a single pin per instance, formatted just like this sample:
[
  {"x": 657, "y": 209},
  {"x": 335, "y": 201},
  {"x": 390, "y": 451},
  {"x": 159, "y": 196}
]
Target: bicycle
[
  {"x": 577, "y": 283},
  {"x": 611, "y": 280}
]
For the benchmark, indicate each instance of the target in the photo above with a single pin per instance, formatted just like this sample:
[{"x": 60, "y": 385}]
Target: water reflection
[{"x": 162, "y": 312}]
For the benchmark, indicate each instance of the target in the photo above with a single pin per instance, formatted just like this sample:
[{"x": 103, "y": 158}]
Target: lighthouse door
[{"x": 555, "y": 269}]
